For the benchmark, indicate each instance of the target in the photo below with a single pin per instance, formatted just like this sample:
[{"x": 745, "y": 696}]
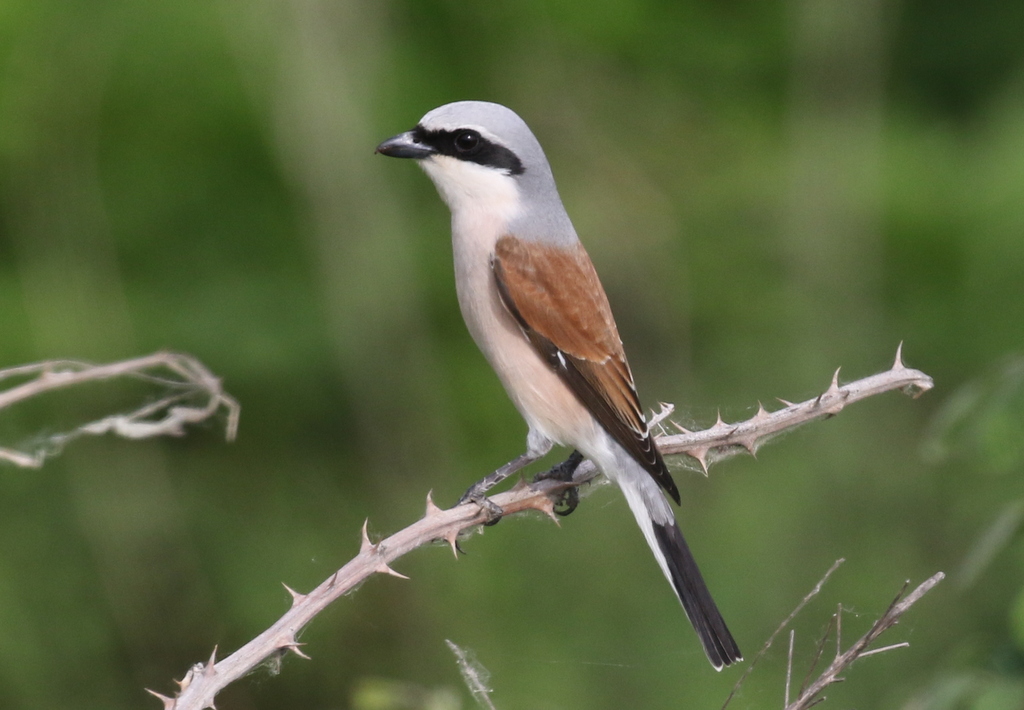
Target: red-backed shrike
[{"x": 535, "y": 307}]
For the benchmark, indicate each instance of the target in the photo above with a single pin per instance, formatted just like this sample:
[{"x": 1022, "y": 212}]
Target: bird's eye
[{"x": 466, "y": 141}]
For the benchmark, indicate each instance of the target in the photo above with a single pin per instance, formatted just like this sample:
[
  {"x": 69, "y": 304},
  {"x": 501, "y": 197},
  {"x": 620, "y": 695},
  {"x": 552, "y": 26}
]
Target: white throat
[{"x": 474, "y": 193}]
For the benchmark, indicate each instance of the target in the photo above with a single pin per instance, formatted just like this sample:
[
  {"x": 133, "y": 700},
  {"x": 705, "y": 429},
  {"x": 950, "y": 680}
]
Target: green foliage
[{"x": 769, "y": 191}]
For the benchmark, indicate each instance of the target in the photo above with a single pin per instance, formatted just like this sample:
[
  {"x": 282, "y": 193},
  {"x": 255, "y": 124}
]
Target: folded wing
[{"x": 555, "y": 296}]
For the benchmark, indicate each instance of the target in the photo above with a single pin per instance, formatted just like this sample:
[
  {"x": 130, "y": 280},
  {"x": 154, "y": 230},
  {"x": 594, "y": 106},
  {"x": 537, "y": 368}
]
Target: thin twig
[
  {"x": 859, "y": 649},
  {"x": 817, "y": 655},
  {"x": 839, "y": 629},
  {"x": 166, "y": 417},
  {"x": 474, "y": 675},
  {"x": 785, "y": 622},
  {"x": 883, "y": 649},
  {"x": 789, "y": 663}
]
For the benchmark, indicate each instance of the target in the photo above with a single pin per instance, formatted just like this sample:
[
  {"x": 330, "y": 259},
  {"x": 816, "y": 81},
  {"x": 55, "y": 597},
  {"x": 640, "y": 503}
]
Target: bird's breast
[{"x": 540, "y": 395}]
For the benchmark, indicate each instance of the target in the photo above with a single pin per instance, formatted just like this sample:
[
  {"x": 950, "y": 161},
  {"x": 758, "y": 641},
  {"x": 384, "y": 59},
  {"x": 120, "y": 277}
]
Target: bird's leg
[
  {"x": 536, "y": 447},
  {"x": 564, "y": 471},
  {"x": 477, "y": 492}
]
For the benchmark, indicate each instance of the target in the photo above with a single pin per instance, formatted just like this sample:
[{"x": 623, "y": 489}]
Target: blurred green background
[{"x": 769, "y": 190}]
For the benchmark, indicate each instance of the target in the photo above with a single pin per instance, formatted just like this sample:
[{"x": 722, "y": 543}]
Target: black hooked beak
[{"x": 404, "y": 145}]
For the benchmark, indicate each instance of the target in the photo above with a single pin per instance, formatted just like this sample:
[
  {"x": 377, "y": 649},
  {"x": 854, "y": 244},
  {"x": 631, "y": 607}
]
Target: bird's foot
[
  {"x": 478, "y": 491},
  {"x": 477, "y": 494},
  {"x": 570, "y": 497}
]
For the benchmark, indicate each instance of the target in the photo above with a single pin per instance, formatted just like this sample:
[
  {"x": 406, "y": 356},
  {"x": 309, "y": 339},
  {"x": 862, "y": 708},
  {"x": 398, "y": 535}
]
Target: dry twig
[
  {"x": 474, "y": 675},
  {"x": 186, "y": 378},
  {"x": 204, "y": 681},
  {"x": 810, "y": 692},
  {"x": 811, "y": 695},
  {"x": 771, "y": 639}
]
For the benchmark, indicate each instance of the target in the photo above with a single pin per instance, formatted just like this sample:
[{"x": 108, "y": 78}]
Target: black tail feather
[{"x": 700, "y": 608}]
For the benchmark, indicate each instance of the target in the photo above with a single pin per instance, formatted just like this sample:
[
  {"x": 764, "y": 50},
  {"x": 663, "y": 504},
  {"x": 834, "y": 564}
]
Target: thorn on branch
[
  {"x": 297, "y": 598},
  {"x": 383, "y": 568},
  {"x": 701, "y": 455},
  {"x": 432, "y": 508},
  {"x": 681, "y": 428},
  {"x": 295, "y": 647},
  {"x": 520, "y": 485},
  {"x": 169, "y": 703},
  {"x": 749, "y": 443},
  {"x": 452, "y": 538},
  {"x": 211, "y": 665},
  {"x": 365, "y": 546}
]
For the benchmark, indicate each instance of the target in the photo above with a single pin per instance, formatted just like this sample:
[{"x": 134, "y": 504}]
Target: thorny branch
[
  {"x": 202, "y": 683},
  {"x": 184, "y": 376},
  {"x": 723, "y": 439}
]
